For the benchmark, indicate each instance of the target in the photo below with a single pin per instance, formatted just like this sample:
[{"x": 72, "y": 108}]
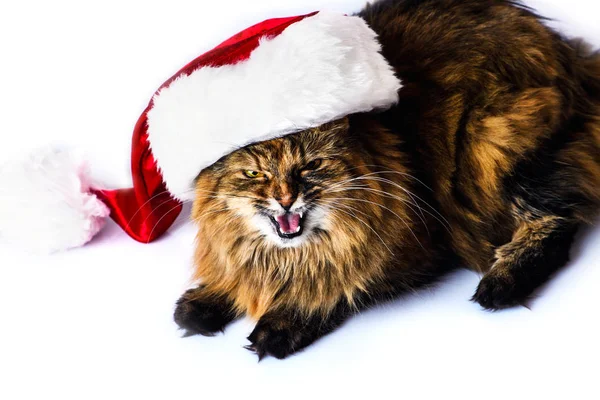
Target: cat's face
[{"x": 279, "y": 188}]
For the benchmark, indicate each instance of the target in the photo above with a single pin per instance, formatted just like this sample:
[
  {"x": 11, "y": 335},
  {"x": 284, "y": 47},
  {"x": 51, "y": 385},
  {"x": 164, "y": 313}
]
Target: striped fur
[{"x": 491, "y": 160}]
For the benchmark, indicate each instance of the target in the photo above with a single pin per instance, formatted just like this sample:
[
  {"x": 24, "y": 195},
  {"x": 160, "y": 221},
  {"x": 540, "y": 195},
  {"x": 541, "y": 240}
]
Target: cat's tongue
[{"x": 289, "y": 223}]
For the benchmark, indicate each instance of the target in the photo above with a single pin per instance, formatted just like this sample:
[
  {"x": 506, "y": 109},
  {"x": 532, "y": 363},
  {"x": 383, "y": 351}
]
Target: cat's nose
[{"x": 286, "y": 201}]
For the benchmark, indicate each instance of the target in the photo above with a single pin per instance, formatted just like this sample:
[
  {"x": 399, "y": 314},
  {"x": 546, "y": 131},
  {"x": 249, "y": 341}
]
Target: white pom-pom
[{"x": 45, "y": 202}]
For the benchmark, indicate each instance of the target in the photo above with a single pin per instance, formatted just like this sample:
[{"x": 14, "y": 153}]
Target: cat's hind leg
[
  {"x": 199, "y": 311},
  {"x": 539, "y": 247}
]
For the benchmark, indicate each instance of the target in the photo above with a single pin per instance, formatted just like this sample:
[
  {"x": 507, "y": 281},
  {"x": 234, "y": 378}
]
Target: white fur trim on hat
[
  {"x": 317, "y": 70},
  {"x": 46, "y": 204}
]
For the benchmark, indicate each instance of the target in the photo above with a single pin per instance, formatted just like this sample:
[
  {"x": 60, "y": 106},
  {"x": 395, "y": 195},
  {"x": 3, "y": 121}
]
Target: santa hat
[{"x": 277, "y": 77}]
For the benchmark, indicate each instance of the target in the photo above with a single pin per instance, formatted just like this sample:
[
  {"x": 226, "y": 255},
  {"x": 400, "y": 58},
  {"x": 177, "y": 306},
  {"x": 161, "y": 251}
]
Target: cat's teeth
[
  {"x": 295, "y": 231},
  {"x": 301, "y": 214}
]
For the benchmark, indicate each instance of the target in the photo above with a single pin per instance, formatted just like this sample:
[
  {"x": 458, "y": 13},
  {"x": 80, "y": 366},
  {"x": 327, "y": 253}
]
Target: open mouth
[{"x": 288, "y": 225}]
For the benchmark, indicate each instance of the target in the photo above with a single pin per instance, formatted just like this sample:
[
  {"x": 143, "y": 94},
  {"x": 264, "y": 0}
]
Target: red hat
[{"x": 277, "y": 77}]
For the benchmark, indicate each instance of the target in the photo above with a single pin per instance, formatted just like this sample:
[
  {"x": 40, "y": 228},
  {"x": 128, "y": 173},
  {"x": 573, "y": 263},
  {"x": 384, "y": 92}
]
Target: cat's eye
[
  {"x": 314, "y": 164},
  {"x": 253, "y": 174}
]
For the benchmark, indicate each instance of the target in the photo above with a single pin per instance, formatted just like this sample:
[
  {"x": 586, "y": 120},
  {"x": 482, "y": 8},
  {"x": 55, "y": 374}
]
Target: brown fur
[
  {"x": 499, "y": 116},
  {"x": 349, "y": 258}
]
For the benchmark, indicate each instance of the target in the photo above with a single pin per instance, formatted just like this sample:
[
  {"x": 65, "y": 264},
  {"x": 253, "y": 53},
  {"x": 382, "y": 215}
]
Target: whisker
[
  {"x": 444, "y": 222},
  {"x": 409, "y": 193},
  {"x": 167, "y": 201},
  {"x": 363, "y": 222},
  {"x": 173, "y": 196},
  {"x": 379, "y": 179},
  {"x": 197, "y": 219},
  {"x": 386, "y": 208},
  {"x": 352, "y": 179},
  {"x": 162, "y": 204},
  {"x": 158, "y": 222},
  {"x": 388, "y": 171},
  {"x": 142, "y": 206},
  {"x": 389, "y": 195}
]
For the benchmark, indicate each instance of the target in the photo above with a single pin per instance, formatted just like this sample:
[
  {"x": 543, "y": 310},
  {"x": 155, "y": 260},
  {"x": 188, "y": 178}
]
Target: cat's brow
[
  {"x": 252, "y": 152},
  {"x": 297, "y": 144}
]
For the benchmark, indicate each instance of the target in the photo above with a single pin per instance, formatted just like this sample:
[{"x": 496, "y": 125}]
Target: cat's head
[{"x": 283, "y": 189}]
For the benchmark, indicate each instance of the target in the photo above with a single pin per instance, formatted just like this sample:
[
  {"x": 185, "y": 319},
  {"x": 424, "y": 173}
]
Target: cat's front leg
[
  {"x": 280, "y": 333},
  {"x": 199, "y": 311}
]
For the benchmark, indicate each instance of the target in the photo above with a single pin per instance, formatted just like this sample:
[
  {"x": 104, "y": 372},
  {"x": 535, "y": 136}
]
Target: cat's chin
[{"x": 288, "y": 243}]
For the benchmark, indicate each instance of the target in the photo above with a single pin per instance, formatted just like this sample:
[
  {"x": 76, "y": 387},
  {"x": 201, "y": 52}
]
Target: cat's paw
[
  {"x": 198, "y": 316},
  {"x": 498, "y": 290},
  {"x": 275, "y": 339}
]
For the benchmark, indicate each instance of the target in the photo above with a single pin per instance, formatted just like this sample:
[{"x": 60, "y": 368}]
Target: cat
[{"x": 490, "y": 161}]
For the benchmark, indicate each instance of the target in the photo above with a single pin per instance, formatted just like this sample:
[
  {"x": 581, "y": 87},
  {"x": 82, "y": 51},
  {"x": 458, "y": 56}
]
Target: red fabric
[{"x": 147, "y": 210}]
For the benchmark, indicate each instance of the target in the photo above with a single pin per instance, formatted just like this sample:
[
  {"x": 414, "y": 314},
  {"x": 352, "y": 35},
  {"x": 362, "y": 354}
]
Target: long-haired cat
[{"x": 491, "y": 160}]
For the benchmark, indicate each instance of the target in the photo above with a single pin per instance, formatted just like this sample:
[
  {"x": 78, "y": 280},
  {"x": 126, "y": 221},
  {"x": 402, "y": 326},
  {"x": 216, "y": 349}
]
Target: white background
[{"x": 95, "y": 323}]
